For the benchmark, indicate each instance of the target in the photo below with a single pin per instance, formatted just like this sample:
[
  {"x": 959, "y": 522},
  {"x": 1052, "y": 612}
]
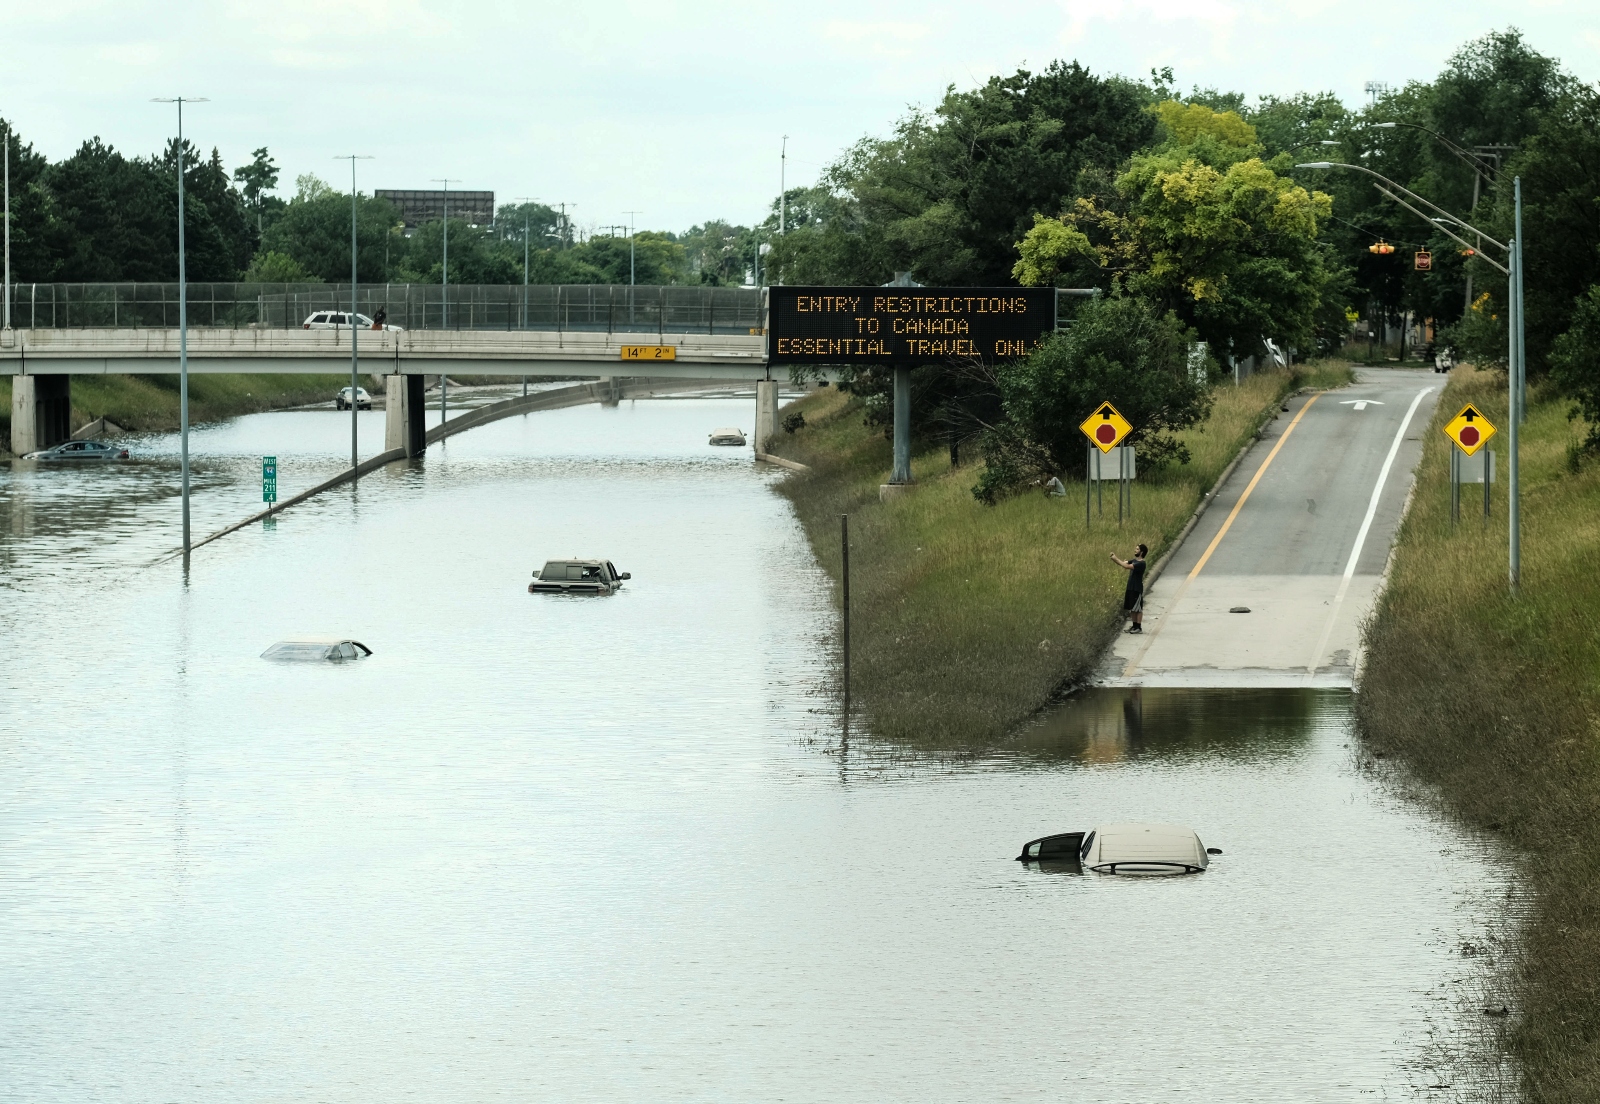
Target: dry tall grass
[
  {"x": 966, "y": 618},
  {"x": 1494, "y": 698}
]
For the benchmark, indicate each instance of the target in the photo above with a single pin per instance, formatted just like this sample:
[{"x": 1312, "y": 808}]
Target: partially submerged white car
[
  {"x": 728, "y": 435},
  {"x": 1128, "y": 848},
  {"x": 316, "y": 649}
]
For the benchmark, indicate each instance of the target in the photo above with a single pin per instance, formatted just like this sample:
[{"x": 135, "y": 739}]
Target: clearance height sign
[{"x": 875, "y": 325}]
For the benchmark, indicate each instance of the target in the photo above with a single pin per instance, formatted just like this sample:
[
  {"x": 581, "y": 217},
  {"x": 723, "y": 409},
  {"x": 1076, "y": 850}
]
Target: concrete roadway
[{"x": 1322, "y": 493}]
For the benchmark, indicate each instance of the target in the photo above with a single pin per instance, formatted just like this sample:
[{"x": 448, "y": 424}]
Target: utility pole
[
  {"x": 354, "y": 287},
  {"x": 183, "y": 325}
]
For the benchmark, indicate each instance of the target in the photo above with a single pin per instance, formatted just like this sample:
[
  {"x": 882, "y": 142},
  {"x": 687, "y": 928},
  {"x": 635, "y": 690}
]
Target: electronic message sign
[{"x": 902, "y": 326}]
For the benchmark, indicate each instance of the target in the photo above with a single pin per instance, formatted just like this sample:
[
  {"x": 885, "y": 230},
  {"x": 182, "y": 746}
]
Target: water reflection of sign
[
  {"x": 874, "y": 325},
  {"x": 1105, "y": 427},
  {"x": 1469, "y": 429},
  {"x": 269, "y": 479}
]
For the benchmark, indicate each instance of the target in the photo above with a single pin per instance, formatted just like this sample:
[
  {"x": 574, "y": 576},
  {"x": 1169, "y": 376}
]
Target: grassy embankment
[
  {"x": 1494, "y": 700},
  {"x": 147, "y": 403},
  {"x": 967, "y": 618}
]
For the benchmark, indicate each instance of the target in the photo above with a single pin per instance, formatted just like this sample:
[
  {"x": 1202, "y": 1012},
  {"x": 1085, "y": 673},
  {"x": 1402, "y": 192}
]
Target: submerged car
[
  {"x": 578, "y": 577},
  {"x": 1129, "y": 848},
  {"x": 317, "y": 649},
  {"x": 340, "y": 320},
  {"x": 728, "y": 435},
  {"x": 341, "y": 401},
  {"x": 80, "y": 450}
]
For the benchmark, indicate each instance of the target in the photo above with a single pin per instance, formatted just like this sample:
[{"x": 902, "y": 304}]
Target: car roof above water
[{"x": 1134, "y": 846}]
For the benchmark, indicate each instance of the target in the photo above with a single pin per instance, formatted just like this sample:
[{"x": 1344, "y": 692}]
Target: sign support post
[
  {"x": 1455, "y": 486},
  {"x": 1487, "y": 457}
]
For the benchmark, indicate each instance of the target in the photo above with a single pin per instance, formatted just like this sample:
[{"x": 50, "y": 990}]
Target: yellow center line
[{"x": 1133, "y": 665}]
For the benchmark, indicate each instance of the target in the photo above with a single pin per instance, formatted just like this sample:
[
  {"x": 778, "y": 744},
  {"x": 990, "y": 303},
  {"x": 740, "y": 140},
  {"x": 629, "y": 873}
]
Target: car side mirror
[{"x": 626, "y": 575}]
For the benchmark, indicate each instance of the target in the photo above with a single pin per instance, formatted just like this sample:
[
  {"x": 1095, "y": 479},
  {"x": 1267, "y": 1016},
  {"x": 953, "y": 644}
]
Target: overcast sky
[{"x": 675, "y": 110}]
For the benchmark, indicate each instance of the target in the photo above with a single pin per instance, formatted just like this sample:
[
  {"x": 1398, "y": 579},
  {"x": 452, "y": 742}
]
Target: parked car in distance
[
  {"x": 340, "y": 320},
  {"x": 341, "y": 401},
  {"x": 578, "y": 577},
  {"x": 80, "y": 450},
  {"x": 728, "y": 435},
  {"x": 317, "y": 649}
]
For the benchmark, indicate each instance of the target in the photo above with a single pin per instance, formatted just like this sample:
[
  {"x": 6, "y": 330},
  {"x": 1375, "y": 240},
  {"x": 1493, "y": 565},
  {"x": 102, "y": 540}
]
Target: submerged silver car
[
  {"x": 578, "y": 577},
  {"x": 80, "y": 450},
  {"x": 316, "y": 649}
]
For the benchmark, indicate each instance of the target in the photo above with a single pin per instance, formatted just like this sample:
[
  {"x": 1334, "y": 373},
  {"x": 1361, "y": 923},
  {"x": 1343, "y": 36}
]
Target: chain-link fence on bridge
[{"x": 602, "y": 308}]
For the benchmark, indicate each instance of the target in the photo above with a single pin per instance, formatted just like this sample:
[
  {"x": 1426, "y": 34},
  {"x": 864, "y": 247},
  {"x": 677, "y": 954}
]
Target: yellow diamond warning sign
[
  {"x": 1470, "y": 430},
  {"x": 1105, "y": 427}
]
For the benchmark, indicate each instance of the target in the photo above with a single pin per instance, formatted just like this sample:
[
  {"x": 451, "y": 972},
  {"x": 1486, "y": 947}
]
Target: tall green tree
[
  {"x": 33, "y": 256},
  {"x": 1201, "y": 227},
  {"x": 1121, "y": 349},
  {"x": 255, "y": 180},
  {"x": 315, "y": 234},
  {"x": 947, "y": 196}
]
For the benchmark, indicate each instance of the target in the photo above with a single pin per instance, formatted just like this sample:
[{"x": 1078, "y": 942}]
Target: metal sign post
[{"x": 1455, "y": 486}]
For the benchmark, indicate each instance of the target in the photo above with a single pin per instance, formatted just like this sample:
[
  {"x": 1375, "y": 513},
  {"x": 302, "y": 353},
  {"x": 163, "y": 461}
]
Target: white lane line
[
  {"x": 1150, "y": 637},
  {"x": 1366, "y": 526}
]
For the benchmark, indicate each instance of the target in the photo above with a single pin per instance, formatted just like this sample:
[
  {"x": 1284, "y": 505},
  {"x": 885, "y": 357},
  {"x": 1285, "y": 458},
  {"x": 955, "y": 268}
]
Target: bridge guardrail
[{"x": 592, "y": 308}]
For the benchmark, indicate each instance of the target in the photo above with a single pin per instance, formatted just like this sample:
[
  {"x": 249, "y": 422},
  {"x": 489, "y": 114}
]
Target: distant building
[{"x": 417, "y": 207}]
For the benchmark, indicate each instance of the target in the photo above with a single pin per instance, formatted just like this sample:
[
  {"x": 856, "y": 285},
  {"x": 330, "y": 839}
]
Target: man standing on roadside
[{"x": 1133, "y": 597}]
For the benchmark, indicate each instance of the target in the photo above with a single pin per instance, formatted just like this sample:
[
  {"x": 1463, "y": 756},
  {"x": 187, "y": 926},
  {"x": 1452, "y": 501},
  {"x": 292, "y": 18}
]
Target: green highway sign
[{"x": 269, "y": 479}]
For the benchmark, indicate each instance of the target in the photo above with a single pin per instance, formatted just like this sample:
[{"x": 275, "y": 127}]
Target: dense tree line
[{"x": 101, "y": 216}]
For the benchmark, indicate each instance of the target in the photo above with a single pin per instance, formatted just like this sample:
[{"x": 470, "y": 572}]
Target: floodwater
[{"x": 545, "y": 848}]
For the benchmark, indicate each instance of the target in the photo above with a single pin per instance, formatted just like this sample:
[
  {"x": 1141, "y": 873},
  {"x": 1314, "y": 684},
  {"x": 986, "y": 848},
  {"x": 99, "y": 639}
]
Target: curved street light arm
[
  {"x": 1478, "y": 163},
  {"x": 1409, "y": 192},
  {"x": 1487, "y": 260}
]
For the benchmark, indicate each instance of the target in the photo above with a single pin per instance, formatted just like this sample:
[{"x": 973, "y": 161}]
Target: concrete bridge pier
[
  {"x": 405, "y": 409},
  {"x": 41, "y": 412},
  {"x": 766, "y": 413}
]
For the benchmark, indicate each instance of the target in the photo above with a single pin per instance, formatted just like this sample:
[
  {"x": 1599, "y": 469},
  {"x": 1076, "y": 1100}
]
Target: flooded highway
[{"x": 613, "y": 848}]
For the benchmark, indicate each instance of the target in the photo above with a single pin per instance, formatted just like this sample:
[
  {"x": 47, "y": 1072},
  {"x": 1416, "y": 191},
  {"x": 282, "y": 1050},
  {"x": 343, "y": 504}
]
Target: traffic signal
[{"x": 1381, "y": 247}]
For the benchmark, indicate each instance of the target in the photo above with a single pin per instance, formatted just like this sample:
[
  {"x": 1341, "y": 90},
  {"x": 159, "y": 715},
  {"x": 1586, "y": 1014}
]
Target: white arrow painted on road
[{"x": 1360, "y": 404}]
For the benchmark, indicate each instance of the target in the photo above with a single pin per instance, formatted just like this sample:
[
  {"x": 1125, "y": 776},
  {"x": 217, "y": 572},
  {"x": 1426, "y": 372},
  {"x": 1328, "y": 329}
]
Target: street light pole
[
  {"x": 354, "y": 328},
  {"x": 444, "y": 297},
  {"x": 631, "y": 270},
  {"x": 1516, "y": 394},
  {"x": 6, "y": 325},
  {"x": 183, "y": 326},
  {"x": 526, "y": 230}
]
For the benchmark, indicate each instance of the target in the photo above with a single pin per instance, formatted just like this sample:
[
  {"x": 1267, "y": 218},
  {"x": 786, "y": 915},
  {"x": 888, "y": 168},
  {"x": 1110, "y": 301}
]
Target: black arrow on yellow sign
[
  {"x": 1105, "y": 412},
  {"x": 1469, "y": 414}
]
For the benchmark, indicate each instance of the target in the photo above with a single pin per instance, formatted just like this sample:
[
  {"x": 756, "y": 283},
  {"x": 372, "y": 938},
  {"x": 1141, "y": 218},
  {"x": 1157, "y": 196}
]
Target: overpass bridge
[
  {"x": 582, "y": 330},
  {"x": 42, "y": 362}
]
